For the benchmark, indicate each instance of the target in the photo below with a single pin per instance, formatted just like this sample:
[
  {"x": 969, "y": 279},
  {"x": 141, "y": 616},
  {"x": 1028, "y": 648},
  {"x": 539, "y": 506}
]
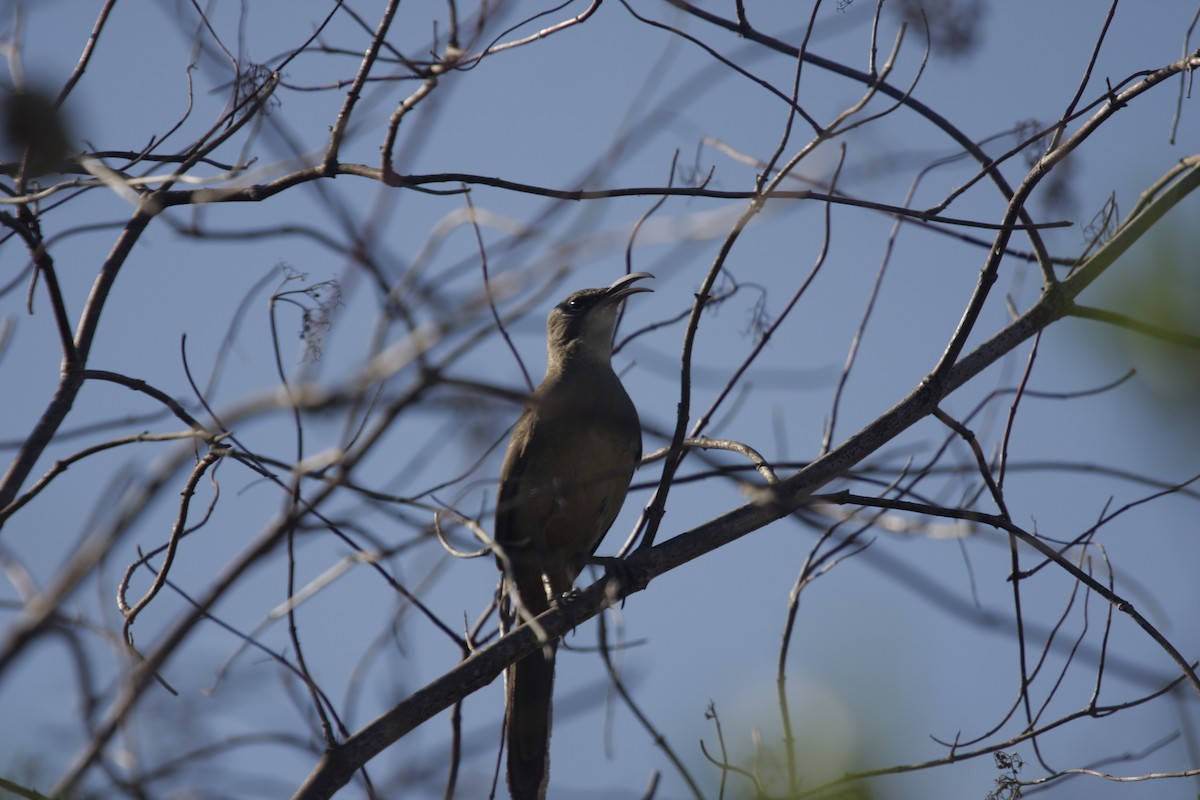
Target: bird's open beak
[{"x": 623, "y": 287}]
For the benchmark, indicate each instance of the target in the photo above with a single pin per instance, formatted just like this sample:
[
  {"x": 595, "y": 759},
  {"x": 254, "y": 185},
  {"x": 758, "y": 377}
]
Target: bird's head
[{"x": 581, "y": 327}]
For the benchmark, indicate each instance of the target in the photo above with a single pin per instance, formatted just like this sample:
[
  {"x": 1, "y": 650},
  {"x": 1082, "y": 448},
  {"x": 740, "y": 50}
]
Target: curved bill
[{"x": 623, "y": 287}]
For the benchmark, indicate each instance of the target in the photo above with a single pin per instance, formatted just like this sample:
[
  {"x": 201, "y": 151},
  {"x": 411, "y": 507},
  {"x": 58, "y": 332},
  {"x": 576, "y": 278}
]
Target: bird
[{"x": 565, "y": 475}]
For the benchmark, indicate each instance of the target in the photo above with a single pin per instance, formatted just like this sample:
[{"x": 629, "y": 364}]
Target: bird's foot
[
  {"x": 618, "y": 576},
  {"x": 618, "y": 579},
  {"x": 567, "y": 604}
]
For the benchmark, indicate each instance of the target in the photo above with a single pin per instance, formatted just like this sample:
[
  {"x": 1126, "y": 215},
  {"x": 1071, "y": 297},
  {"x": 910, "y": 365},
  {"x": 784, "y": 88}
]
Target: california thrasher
[{"x": 565, "y": 475}]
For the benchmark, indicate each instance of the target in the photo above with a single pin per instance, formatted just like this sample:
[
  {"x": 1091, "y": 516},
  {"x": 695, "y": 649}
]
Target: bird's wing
[{"x": 511, "y": 473}]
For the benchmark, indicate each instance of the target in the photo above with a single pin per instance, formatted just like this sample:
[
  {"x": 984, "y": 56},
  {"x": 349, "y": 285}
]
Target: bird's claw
[
  {"x": 618, "y": 578},
  {"x": 565, "y": 604}
]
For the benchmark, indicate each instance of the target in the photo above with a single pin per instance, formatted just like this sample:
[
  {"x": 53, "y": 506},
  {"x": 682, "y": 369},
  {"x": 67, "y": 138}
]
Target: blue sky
[{"x": 881, "y": 660}]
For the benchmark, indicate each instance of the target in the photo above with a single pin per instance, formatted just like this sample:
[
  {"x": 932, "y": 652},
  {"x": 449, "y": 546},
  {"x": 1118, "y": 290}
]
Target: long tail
[{"x": 530, "y": 687}]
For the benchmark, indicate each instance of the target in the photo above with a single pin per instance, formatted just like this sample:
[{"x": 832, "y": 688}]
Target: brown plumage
[{"x": 564, "y": 479}]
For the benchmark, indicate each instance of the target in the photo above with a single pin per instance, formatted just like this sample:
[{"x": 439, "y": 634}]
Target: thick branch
[{"x": 339, "y": 764}]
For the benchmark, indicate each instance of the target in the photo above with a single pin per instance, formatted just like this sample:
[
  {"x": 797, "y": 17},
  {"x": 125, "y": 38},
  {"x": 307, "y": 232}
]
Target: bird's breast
[{"x": 578, "y": 452}]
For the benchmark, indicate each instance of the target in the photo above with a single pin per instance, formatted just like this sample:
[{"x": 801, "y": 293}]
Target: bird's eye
[{"x": 574, "y": 305}]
